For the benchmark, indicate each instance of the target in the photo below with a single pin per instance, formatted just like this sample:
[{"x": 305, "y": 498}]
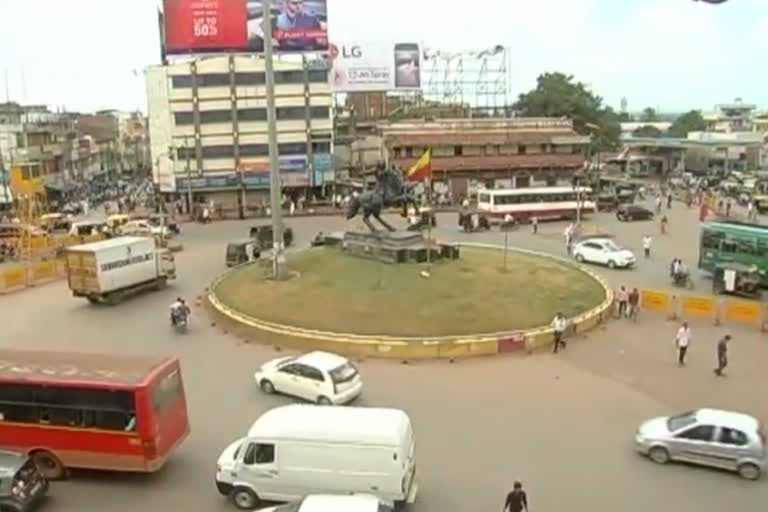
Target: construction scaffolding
[{"x": 478, "y": 79}]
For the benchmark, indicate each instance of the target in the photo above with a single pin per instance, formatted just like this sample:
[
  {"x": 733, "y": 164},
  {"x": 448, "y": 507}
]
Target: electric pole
[{"x": 278, "y": 255}]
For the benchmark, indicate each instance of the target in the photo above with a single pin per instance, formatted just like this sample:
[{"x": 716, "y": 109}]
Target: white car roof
[
  {"x": 331, "y": 503},
  {"x": 322, "y": 360},
  {"x": 365, "y": 425},
  {"x": 728, "y": 419}
]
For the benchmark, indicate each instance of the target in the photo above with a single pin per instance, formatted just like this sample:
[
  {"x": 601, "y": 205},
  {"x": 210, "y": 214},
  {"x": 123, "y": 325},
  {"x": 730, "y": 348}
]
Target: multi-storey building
[
  {"x": 208, "y": 128},
  {"x": 491, "y": 153}
]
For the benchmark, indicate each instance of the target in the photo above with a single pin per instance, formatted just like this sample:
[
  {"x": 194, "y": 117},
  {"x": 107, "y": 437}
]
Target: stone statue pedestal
[{"x": 395, "y": 247}]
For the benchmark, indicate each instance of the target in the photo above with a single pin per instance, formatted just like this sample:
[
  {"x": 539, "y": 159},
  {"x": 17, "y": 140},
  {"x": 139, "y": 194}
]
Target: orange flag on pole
[{"x": 422, "y": 169}]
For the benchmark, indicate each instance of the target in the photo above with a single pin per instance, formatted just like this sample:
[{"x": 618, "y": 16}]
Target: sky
[{"x": 673, "y": 55}]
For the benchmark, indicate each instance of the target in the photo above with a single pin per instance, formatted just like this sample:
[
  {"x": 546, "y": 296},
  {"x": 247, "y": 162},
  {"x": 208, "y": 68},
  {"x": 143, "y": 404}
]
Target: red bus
[{"x": 96, "y": 411}]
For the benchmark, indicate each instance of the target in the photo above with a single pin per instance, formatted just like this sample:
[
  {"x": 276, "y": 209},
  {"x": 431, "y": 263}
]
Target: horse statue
[{"x": 391, "y": 190}]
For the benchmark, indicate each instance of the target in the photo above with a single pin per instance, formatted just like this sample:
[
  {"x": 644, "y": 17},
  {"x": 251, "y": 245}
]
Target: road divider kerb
[{"x": 436, "y": 347}]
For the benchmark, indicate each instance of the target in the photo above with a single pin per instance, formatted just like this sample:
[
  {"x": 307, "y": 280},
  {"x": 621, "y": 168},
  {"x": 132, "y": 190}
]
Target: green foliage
[
  {"x": 649, "y": 115},
  {"x": 689, "y": 122},
  {"x": 647, "y": 131},
  {"x": 558, "y": 95}
]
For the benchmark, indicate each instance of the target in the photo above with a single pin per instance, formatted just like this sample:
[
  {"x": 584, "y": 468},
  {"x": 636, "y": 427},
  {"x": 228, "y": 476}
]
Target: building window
[
  {"x": 321, "y": 147},
  {"x": 522, "y": 181},
  {"x": 320, "y": 112},
  {"x": 458, "y": 150},
  {"x": 182, "y": 153},
  {"x": 544, "y": 148},
  {"x": 254, "y": 150},
  {"x": 252, "y": 114},
  {"x": 215, "y": 116},
  {"x": 290, "y": 113},
  {"x": 289, "y": 77},
  {"x": 521, "y": 149},
  {"x": 396, "y": 152},
  {"x": 181, "y": 82},
  {"x": 408, "y": 151},
  {"x": 318, "y": 76},
  {"x": 254, "y": 78},
  {"x": 293, "y": 148},
  {"x": 213, "y": 80},
  {"x": 225, "y": 151}
]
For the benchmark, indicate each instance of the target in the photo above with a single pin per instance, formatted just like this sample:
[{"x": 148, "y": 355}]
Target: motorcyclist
[
  {"x": 179, "y": 311},
  {"x": 678, "y": 271}
]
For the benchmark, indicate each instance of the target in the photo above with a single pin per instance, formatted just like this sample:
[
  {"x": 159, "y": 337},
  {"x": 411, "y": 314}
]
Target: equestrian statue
[{"x": 391, "y": 190}]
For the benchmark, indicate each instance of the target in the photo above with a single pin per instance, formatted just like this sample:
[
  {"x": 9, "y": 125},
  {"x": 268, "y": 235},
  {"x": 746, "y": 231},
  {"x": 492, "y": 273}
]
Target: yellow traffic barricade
[
  {"x": 14, "y": 277},
  {"x": 44, "y": 270},
  {"x": 702, "y": 307},
  {"x": 652, "y": 300},
  {"x": 743, "y": 311}
]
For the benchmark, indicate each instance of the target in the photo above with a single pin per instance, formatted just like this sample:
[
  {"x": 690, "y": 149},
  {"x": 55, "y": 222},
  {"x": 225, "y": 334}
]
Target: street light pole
[
  {"x": 278, "y": 256},
  {"x": 189, "y": 180}
]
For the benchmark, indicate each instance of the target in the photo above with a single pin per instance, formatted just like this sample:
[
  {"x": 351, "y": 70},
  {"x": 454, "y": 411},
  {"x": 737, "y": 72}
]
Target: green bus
[{"x": 739, "y": 242}]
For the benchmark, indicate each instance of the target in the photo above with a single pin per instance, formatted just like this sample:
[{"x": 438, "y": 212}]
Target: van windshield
[{"x": 343, "y": 373}]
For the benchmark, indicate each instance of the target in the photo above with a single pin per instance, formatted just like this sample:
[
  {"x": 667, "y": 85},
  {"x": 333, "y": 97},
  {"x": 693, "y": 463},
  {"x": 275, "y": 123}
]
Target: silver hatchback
[{"x": 708, "y": 437}]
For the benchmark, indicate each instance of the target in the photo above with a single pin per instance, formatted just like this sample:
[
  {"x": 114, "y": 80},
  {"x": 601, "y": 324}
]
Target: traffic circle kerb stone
[{"x": 411, "y": 347}]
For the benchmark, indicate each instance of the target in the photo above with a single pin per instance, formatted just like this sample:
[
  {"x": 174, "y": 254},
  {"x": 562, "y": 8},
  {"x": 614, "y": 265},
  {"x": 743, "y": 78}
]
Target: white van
[{"x": 296, "y": 450}]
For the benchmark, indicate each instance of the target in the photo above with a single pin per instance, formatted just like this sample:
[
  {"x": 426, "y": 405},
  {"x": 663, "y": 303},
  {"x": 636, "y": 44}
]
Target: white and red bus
[
  {"x": 99, "y": 411},
  {"x": 546, "y": 203}
]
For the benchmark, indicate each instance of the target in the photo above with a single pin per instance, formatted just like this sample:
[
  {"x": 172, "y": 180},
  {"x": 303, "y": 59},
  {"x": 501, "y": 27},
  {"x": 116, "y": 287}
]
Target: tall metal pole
[
  {"x": 278, "y": 256},
  {"x": 189, "y": 180}
]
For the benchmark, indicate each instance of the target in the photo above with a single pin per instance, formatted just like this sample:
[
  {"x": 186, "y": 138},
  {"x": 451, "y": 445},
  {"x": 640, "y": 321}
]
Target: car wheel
[
  {"x": 749, "y": 471},
  {"x": 244, "y": 498},
  {"x": 579, "y": 258},
  {"x": 659, "y": 455},
  {"x": 267, "y": 386},
  {"x": 611, "y": 264},
  {"x": 324, "y": 400}
]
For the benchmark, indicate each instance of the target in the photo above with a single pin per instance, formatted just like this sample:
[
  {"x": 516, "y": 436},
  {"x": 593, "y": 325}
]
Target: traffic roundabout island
[{"x": 479, "y": 301}]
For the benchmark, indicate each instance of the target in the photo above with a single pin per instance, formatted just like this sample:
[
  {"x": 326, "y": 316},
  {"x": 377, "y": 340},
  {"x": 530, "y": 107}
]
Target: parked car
[
  {"x": 143, "y": 228},
  {"x": 707, "y": 437},
  {"x": 334, "y": 503},
  {"x": 603, "y": 251},
  {"x": 629, "y": 212},
  {"x": 319, "y": 377}
]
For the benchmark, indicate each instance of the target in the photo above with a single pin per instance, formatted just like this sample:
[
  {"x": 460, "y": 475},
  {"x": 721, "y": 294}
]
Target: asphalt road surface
[{"x": 563, "y": 424}]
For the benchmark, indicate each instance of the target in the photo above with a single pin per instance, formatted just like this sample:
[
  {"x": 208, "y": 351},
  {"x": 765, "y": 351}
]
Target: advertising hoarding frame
[{"x": 365, "y": 66}]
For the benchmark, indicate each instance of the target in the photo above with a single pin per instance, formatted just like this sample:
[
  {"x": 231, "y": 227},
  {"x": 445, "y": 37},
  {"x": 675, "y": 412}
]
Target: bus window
[
  {"x": 762, "y": 248},
  {"x": 485, "y": 198},
  {"x": 167, "y": 392},
  {"x": 728, "y": 245},
  {"x": 746, "y": 246},
  {"x": 712, "y": 240}
]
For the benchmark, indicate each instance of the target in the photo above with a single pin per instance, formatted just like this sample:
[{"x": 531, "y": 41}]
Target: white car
[
  {"x": 143, "y": 227},
  {"x": 333, "y": 503},
  {"x": 603, "y": 251},
  {"x": 319, "y": 377}
]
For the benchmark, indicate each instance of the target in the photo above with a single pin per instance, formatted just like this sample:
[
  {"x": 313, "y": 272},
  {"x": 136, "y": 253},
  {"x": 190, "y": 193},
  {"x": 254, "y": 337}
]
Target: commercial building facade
[
  {"x": 208, "y": 128},
  {"x": 493, "y": 153}
]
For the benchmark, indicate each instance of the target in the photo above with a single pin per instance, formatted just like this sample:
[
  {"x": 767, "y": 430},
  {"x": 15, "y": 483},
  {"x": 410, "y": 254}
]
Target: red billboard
[{"x": 205, "y": 26}]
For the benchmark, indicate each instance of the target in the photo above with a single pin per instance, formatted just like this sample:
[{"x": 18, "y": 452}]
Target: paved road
[{"x": 563, "y": 424}]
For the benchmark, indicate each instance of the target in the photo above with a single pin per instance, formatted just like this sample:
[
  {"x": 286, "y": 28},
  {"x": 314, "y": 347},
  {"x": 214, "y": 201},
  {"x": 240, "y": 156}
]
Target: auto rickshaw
[
  {"x": 118, "y": 220},
  {"x": 473, "y": 221},
  {"x": 56, "y": 222},
  {"x": 242, "y": 251},
  {"x": 263, "y": 236},
  {"x": 160, "y": 219},
  {"x": 736, "y": 279},
  {"x": 422, "y": 220}
]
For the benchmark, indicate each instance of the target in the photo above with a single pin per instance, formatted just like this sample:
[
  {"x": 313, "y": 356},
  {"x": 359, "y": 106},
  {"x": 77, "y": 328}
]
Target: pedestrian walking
[
  {"x": 535, "y": 224},
  {"x": 658, "y": 204},
  {"x": 728, "y": 209},
  {"x": 634, "y": 304},
  {"x": 517, "y": 499},
  {"x": 559, "y": 324},
  {"x": 722, "y": 355},
  {"x": 682, "y": 340},
  {"x": 669, "y": 201},
  {"x": 622, "y": 297},
  {"x": 664, "y": 224},
  {"x": 647, "y": 246},
  {"x": 568, "y": 235}
]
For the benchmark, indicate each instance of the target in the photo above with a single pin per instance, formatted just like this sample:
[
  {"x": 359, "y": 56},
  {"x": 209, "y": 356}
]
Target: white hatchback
[
  {"x": 319, "y": 377},
  {"x": 603, "y": 251},
  {"x": 333, "y": 503}
]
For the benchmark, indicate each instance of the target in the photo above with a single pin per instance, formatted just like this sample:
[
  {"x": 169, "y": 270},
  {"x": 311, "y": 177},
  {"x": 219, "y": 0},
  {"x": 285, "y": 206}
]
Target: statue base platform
[{"x": 395, "y": 247}]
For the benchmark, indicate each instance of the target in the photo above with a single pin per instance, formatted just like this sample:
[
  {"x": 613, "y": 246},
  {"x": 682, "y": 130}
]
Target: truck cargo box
[{"x": 114, "y": 264}]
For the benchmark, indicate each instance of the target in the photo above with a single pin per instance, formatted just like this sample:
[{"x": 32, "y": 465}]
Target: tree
[
  {"x": 647, "y": 131},
  {"x": 649, "y": 115},
  {"x": 689, "y": 122},
  {"x": 558, "y": 95}
]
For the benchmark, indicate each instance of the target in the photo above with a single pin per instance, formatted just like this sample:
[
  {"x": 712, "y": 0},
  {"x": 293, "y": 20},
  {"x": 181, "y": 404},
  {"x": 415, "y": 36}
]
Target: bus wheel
[{"x": 49, "y": 465}]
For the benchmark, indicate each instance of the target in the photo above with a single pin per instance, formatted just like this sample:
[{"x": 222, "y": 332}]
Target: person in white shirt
[
  {"x": 558, "y": 325},
  {"x": 647, "y": 246},
  {"x": 682, "y": 340}
]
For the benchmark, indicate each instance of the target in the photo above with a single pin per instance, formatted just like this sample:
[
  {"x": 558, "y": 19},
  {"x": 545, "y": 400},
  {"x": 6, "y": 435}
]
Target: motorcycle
[
  {"x": 682, "y": 280},
  {"x": 179, "y": 320}
]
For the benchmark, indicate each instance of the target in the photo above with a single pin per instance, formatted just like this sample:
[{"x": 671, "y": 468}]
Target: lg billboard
[
  {"x": 360, "y": 67},
  {"x": 209, "y": 26}
]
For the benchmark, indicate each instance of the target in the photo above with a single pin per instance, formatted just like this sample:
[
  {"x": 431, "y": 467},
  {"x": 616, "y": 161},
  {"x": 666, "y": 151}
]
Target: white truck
[{"x": 111, "y": 270}]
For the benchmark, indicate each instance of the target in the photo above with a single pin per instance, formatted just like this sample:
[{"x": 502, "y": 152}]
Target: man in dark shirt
[
  {"x": 517, "y": 500},
  {"x": 722, "y": 355}
]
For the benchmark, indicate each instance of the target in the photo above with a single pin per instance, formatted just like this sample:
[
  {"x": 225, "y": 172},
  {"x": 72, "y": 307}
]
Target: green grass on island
[{"x": 336, "y": 292}]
